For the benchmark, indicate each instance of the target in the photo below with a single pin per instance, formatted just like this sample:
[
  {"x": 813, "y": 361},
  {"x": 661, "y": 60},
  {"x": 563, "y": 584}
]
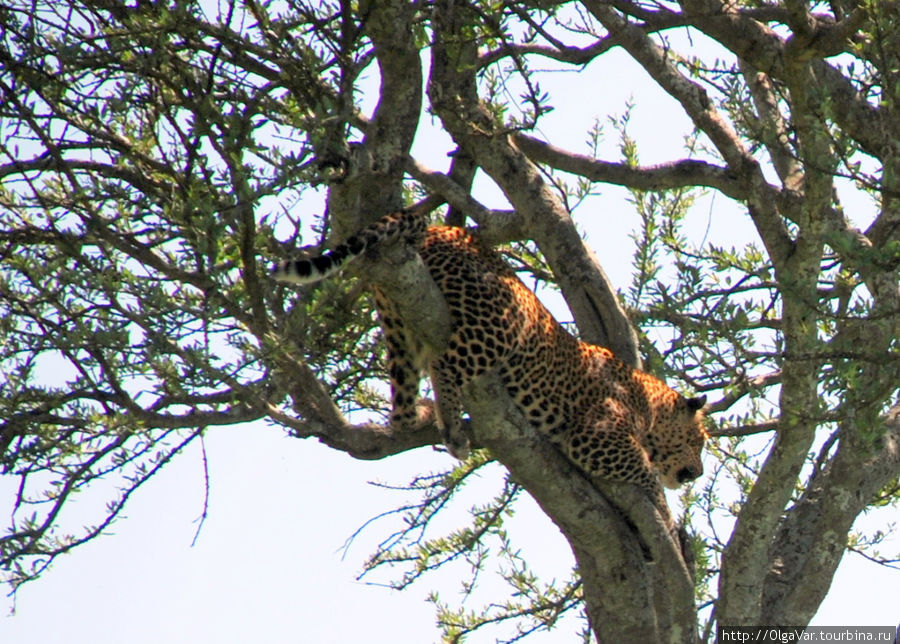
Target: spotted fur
[{"x": 611, "y": 420}]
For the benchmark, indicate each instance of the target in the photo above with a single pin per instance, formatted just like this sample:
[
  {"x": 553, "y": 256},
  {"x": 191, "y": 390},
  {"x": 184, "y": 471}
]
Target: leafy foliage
[
  {"x": 153, "y": 157},
  {"x": 136, "y": 149}
]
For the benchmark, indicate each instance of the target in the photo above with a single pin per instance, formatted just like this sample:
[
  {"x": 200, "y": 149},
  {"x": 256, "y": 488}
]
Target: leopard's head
[{"x": 676, "y": 441}]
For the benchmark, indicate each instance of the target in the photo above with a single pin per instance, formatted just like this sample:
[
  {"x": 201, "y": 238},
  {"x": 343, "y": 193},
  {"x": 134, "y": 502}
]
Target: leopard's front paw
[{"x": 458, "y": 445}]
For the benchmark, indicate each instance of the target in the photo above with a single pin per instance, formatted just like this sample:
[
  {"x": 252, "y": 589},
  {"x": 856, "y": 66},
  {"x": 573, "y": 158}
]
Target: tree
[{"x": 146, "y": 149}]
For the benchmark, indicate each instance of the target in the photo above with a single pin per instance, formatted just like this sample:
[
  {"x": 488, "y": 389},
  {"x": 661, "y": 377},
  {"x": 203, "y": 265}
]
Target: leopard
[{"x": 611, "y": 420}]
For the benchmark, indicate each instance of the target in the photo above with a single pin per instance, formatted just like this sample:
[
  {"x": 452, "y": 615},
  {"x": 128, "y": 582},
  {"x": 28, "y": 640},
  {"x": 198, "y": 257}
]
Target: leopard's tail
[{"x": 405, "y": 224}]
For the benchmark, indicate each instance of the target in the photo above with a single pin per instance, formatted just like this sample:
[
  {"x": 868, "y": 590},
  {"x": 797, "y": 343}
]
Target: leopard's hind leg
[
  {"x": 403, "y": 365},
  {"x": 447, "y": 395},
  {"x": 407, "y": 358}
]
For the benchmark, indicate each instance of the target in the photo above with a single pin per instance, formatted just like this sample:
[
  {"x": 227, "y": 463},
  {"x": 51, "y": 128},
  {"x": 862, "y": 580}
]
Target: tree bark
[{"x": 636, "y": 586}]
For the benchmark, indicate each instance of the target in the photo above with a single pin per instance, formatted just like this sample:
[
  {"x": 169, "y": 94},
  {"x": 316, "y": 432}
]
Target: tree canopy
[{"x": 155, "y": 157}]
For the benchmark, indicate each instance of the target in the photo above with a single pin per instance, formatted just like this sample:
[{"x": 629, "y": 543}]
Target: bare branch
[{"x": 664, "y": 176}]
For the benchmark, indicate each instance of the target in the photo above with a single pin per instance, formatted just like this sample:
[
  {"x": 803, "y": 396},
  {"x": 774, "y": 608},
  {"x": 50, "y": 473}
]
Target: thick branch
[
  {"x": 676, "y": 174},
  {"x": 402, "y": 276},
  {"x": 369, "y": 441},
  {"x": 374, "y": 188},
  {"x": 812, "y": 538},
  {"x": 321, "y": 418},
  {"x": 758, "y": 44},
  {"x": 629, "y": 597},
  {"x": 774, "y": 130},
  {"x": 494, "y": 226},
  {"x": 560, "y": 52}
]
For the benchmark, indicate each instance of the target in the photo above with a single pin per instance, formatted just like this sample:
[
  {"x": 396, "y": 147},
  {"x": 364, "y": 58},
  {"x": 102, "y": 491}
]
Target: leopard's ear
[{"x": 696, "y": 404}]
